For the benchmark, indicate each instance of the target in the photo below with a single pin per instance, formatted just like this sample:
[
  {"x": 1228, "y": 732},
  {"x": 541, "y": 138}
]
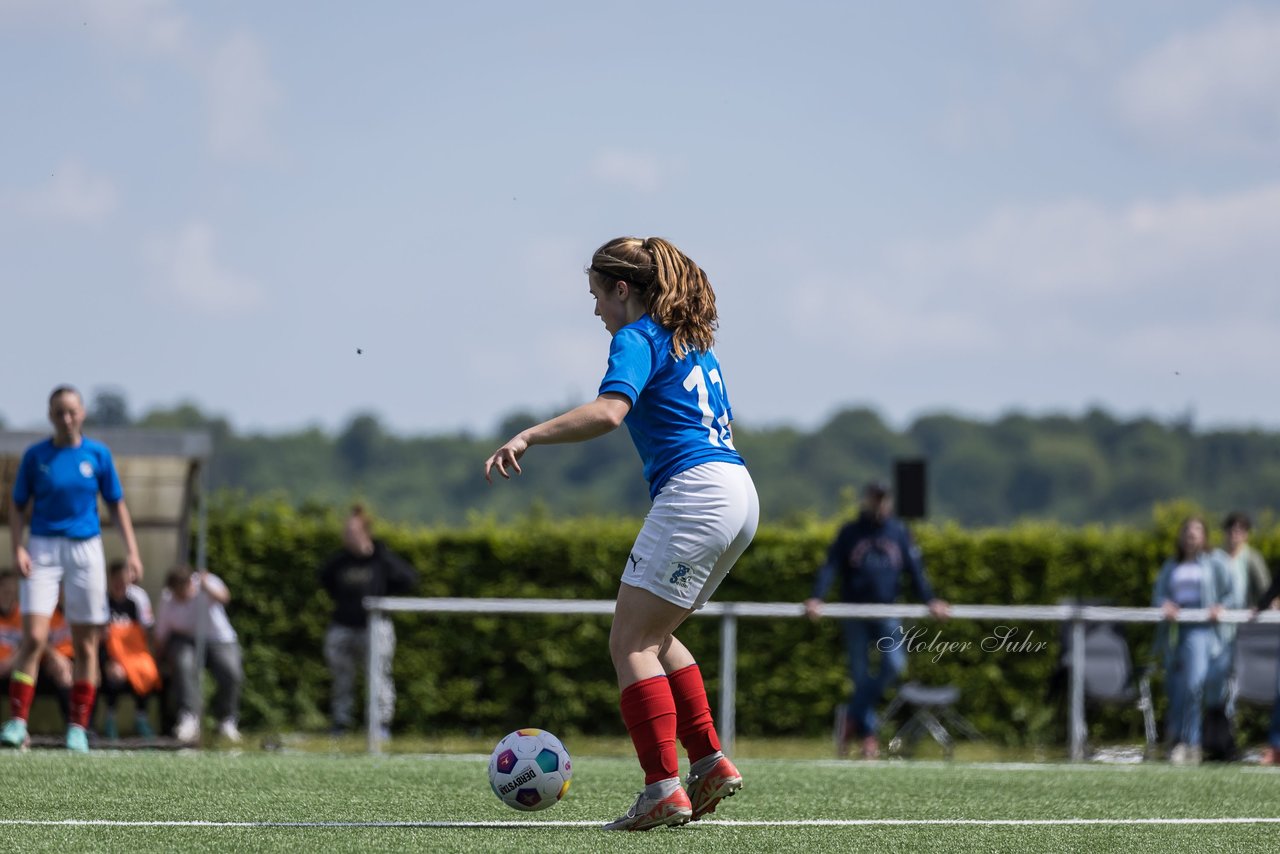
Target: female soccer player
[
  {"x": 60, "y": 478},
  {"x": 664, "y": 381}
]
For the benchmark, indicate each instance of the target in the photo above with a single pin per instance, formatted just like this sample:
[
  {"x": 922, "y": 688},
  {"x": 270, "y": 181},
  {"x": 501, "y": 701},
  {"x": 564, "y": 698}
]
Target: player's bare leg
[{"x": 642, "y": 626}]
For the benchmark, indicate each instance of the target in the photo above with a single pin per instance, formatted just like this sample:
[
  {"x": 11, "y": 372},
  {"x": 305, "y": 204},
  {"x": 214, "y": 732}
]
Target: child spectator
[
  {"x": 127, "y": 663},
  {"x": 190, "y": 596}
]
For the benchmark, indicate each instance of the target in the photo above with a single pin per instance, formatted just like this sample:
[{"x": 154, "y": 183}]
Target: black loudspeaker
[{"x": 909, "y": 486}]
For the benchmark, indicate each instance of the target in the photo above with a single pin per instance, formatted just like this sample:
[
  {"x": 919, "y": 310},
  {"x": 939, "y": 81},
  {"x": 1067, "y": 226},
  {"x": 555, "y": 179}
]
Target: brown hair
[
  {"x": 178, "y": 578},
  {"x": 675, "y": 290},
  {"x": 1179, "y": 550},
  {"x": 1235, "y": 519},
  {"x": 64, "y": 389}
]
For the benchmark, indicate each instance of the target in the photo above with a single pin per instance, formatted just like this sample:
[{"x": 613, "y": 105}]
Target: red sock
[
  {"x": 22, "y": 690},
  {"x": 82, "y": 703},
  {"x": 694, "y": 725},
  {"x": 649, "y": 712}
]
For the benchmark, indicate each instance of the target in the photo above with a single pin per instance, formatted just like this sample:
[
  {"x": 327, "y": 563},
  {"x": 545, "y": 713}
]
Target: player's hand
[
  {"x": 22, "y": 560},
  {"x": 507, "y": 456},
  {"x": 133, "y": 565},
  {"x": 813, "y": 608},
  {"x": 1170, "y": 609},
  {"x": 1215, "y": 612},
  {"x": 939, "y": 609}
]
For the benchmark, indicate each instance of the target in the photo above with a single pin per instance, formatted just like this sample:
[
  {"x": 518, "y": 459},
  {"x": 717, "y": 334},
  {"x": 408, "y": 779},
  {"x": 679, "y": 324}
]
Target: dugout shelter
[{"x": 162, "y": 472}]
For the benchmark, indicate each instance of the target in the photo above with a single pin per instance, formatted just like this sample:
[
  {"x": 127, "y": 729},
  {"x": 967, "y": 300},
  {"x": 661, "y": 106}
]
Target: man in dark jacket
[
  {"x": 364, "y": 567},
  {"x": 869, "y": 555}
]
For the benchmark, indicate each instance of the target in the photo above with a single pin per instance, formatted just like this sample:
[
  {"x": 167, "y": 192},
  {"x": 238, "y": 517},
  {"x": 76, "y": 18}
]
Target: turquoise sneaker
[
  {"x": 142, "y": 728},
  {"x": 14, "y": 734},
  {"x": 77, "y": 739}
]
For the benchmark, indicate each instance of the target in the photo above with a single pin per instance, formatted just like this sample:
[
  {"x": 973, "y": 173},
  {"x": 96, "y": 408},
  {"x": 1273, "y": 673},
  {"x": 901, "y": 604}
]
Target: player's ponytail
[{"x": 675, "y": 290}]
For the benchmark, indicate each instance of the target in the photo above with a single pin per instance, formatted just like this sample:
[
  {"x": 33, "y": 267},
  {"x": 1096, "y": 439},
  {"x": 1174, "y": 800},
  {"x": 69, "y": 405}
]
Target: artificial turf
[{"x": 354, "y": 802}]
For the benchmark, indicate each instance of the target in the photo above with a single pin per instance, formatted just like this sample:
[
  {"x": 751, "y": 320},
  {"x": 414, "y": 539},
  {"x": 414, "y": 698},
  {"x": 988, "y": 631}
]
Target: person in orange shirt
[
  {"x": 55, "y": 665},
  {"x": 127, "y": 663},
  {"x": 10, "y": 622}
]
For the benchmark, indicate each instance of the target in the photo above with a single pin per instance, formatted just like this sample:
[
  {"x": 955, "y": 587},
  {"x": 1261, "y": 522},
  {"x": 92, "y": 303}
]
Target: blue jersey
[
  {"x": 680, "y": 410},
  {"x": 64, "y": 483}
]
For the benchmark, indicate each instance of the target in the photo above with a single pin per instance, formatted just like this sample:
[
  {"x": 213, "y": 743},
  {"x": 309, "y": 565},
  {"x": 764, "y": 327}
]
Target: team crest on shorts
[
  {"x": 680, "y": 577},
  {"x": 86, "y": 468}
]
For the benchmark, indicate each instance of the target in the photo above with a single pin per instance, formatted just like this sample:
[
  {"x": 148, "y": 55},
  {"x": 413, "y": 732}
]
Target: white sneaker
[
  {"x": 228, "y": 730},
  {"x": 188, "y": 729}
]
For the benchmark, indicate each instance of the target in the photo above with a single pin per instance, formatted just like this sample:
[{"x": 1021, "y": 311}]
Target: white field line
[{"x": 816, "y": 822}]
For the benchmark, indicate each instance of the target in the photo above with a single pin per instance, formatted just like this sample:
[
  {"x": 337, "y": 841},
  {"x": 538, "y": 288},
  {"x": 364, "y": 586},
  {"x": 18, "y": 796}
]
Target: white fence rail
[{"x": 729, "y": 613}]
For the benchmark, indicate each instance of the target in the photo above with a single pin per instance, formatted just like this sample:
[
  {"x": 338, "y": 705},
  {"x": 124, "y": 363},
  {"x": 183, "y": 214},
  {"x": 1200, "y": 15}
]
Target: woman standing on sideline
[
  {"x": 664, "y": 381},
  {"x": 1192, "y": 578},
  {"x": 60, "y": 479}
]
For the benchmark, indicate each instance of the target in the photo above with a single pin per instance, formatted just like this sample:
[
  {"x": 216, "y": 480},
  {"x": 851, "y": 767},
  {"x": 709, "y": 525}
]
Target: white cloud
[
  {"x": 242, "y": 97},
  {"x": 153, "y": 26},
  {"x": 1082, "y": 249},
  {"x": 1214, "y": 89},
  {"x": 633, "y": 170},
  {"x": 1150, "y": 306},
  {"x": 187, "y": 269},
  {"x": 71, "y": 194},
  {"x": 1062, "y": 278}
]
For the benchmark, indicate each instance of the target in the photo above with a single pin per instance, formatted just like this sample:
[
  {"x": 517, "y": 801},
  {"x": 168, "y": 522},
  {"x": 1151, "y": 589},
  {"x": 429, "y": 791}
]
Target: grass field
[{"x": 299, "y": 801}]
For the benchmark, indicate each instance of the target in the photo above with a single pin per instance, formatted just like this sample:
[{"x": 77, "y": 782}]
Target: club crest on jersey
[
  {"x": 86, "y": 469},
  {"x": 680, "y": 578}
]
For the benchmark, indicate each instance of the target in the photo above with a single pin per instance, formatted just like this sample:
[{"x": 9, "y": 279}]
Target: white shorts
[
  {"x": 700, "y": 524},
  {"x": 79, "y": 567}
]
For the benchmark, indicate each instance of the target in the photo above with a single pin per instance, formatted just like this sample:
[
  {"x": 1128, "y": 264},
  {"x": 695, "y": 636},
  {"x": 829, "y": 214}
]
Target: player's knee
[{"x": 34, "y": 644}]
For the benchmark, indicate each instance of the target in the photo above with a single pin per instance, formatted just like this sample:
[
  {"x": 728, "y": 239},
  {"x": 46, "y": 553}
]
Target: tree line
[{"x": 1073, "y": 469}]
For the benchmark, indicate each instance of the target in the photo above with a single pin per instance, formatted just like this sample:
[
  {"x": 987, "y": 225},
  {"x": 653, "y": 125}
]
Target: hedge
[{"x": 490, "y": 674}]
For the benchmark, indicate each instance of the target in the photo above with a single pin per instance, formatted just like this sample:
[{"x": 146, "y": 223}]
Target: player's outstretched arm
[{"x": 579, "y": 424}]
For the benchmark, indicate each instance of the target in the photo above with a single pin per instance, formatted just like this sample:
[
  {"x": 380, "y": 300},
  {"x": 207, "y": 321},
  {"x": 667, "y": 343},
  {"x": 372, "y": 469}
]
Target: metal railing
[{"x": 729, "y": 612}]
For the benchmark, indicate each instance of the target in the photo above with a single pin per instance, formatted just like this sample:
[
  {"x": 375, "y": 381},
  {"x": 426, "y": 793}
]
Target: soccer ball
[{"x": 530, "y": 770}]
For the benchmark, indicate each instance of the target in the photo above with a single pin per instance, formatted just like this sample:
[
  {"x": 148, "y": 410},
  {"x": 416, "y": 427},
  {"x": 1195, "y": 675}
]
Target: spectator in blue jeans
[
  {"x": 869, "y": 555},
  {"x": 1192, "y": 578}
]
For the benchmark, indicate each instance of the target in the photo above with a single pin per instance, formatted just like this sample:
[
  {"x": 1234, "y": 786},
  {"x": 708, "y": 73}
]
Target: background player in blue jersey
[
  {"x": 60, "y": 480},
  {"x": 664, "y": 382}
]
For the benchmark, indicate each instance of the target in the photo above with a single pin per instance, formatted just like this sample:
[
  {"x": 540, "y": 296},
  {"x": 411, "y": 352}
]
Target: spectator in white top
[{"x": 188, "y": 597}]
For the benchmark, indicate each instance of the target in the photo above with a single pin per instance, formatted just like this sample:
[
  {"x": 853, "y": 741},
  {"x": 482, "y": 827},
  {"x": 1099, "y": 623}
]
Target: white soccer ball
[{"x": 530, "y": 770}]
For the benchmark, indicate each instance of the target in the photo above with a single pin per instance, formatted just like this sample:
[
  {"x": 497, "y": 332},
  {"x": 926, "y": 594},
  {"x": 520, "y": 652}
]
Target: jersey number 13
[{"x": 717, "y": 423}]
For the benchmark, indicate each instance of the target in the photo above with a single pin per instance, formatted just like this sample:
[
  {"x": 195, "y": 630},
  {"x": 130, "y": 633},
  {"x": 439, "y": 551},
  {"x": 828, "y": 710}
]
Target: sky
[{"x": 981, "y": 207}]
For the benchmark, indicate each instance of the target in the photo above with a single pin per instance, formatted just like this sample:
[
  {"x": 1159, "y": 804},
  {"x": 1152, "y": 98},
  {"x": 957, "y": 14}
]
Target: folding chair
[
  {"x": 932, "y": 711},
  {"x": 1255, "y": 668},
  {"x": 1110, "y": 677}
]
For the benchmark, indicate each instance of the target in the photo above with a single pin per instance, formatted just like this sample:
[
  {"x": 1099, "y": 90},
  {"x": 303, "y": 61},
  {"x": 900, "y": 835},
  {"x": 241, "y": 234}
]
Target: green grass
[{"x": 348, "y": 787}]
